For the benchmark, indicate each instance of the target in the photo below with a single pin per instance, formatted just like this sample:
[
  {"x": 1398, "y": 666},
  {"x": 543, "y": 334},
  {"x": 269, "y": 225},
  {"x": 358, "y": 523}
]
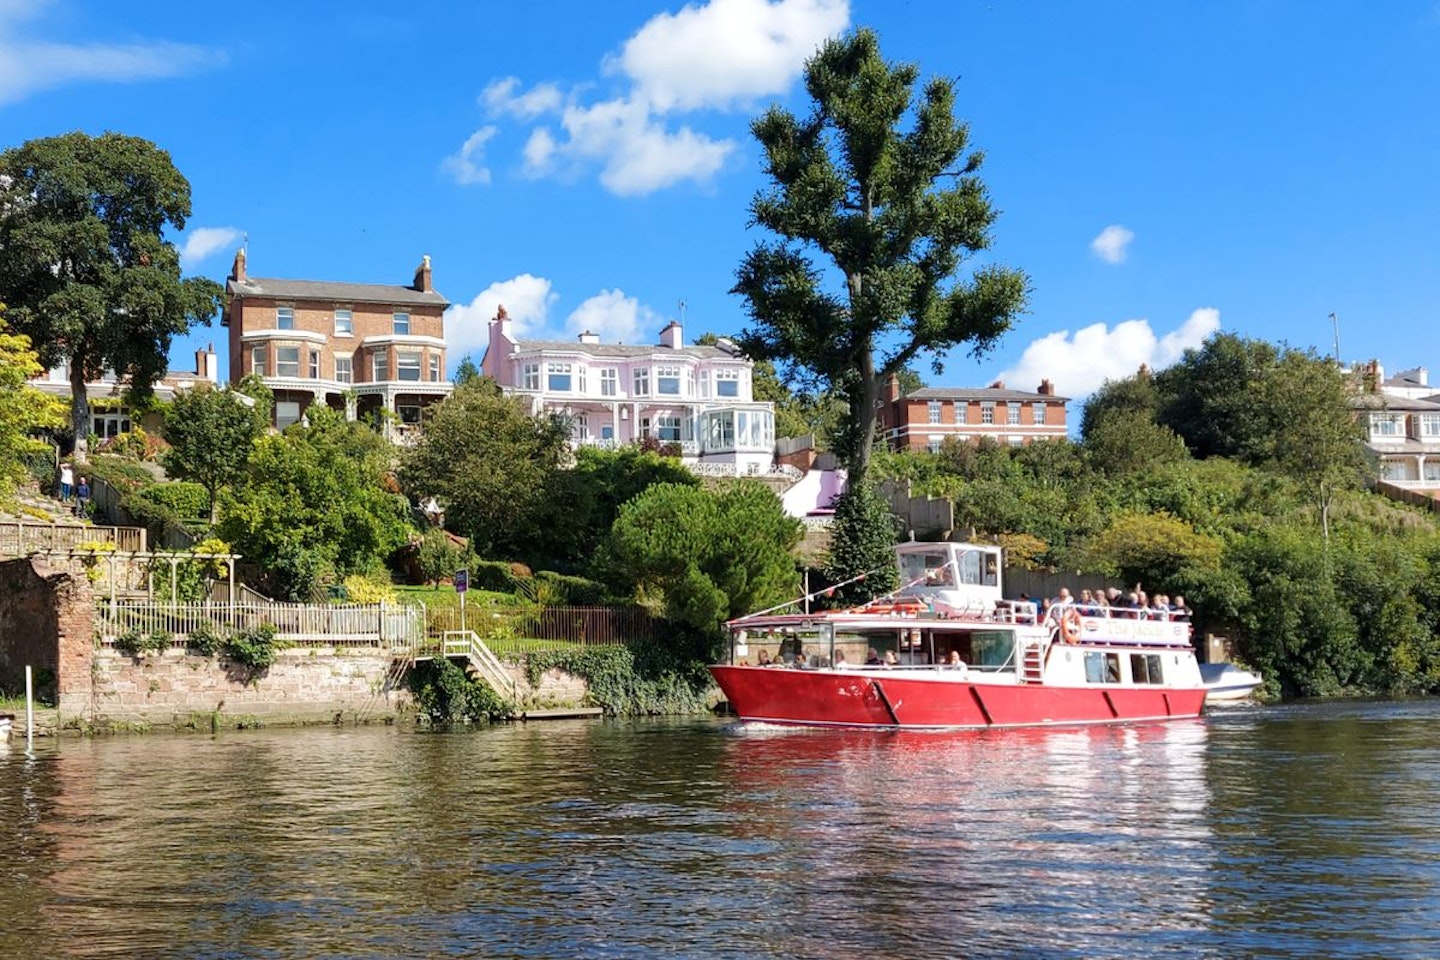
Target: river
[{"x": 1298, "y": 831}]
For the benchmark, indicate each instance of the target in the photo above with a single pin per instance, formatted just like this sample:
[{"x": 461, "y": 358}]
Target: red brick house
[
  {"x": 924, "y": 419},
  {"x": 372, "y": 350}
]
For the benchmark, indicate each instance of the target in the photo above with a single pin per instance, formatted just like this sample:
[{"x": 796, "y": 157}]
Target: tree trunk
[
  {"x": 79, "y": 409},
  {"x": 864, "y": 420}
]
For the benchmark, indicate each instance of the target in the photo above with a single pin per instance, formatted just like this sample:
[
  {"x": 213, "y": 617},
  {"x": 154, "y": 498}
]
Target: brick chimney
[
  {"x": 237, "y": 272},
  {"x": 207, "y": 366},
  {"x": 1047, "y": 389},
  {"x": 998, "y": 385},
  {"x": 672, "y": 336},
  {"x": 892, "y": 388},
  {"x": 422, "y": 276}
]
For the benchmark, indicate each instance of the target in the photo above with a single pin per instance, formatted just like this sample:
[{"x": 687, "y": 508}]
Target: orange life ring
[{"x": 1070, "y": 626}]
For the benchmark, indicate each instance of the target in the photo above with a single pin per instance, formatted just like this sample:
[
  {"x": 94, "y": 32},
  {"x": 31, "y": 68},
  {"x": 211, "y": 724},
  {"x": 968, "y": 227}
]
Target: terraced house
[
  {"x": 375, "y": 351},
  {"x": 924, "y": 419},
  {"x": 697, "y": 397}
]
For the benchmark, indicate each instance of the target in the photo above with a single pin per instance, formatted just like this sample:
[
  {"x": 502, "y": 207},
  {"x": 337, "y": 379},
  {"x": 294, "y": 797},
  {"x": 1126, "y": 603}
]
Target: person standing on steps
[
  {"x": 67, "y": 482},
  {"x": 82, "y": 498}
]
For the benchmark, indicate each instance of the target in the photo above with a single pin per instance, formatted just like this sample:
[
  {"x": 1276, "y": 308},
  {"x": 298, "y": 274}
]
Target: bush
[
  {"x": 493, "y": 575},
  {"x": 363, "y": 589},
  {"x": 446, "y": 695},
  {"x": 254, "y": 648},
  {"x": 133, "y": 643},
  {"x": 186, "y": 500},
  {"x": 205, "y": 639},
  {"x": 574, "y": 591}
]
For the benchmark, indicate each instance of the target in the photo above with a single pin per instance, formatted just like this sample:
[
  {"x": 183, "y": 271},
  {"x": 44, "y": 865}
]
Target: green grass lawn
[{"x": 446, "y": 597}]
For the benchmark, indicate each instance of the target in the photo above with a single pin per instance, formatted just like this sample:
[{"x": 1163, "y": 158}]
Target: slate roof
[
  {"x": 978, "y": 393},
  {"x": 622, "y": 351},
  {"x": 329, "y": 290},
  {"x": 1380, "y": 401}
]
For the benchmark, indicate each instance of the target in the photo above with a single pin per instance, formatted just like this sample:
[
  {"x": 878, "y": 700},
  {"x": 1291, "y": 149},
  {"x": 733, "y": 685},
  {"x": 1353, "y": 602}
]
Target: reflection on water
[{"x": 1292, "y": 832}]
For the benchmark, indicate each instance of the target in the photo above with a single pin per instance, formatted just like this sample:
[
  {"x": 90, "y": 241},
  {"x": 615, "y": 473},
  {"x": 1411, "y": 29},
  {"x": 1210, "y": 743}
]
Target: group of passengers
[{"x": 1134, "y": 605}]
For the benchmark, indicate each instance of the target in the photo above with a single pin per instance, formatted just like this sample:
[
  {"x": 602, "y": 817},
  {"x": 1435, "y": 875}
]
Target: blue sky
[{"x": 1164, "y": 169}]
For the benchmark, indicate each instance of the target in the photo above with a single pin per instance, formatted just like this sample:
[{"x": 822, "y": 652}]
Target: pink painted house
[{"x": 698, "y": 397}]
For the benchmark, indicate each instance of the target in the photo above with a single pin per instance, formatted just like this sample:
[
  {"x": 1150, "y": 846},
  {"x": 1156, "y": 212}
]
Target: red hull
[{"x": 895, "y": 699}]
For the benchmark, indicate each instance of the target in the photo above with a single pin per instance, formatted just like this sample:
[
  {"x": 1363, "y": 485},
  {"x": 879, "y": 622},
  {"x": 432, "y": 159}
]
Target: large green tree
[
  {"x": 877, "y": 188},
  {"x": 493, "y": 468},
  {"x": 210, "y": 434},
  {"x": 84, "y": 262},
  {"x": 317, "y": 503},
  {"x": 710, "y": 555}
]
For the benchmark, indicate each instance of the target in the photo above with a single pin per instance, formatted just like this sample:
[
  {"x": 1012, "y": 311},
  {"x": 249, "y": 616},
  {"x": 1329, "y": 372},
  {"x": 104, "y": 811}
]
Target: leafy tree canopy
[
  {"x": 84, "y": 263},
  {"x": 494, "y": 469},
  {"x": 211, "y": 433},
  {"x": 710, "y": 555},
  {"x": 316, "y": 504},
  {"x": 23, "y": 409},
  {"x": 891, "y": 213}
]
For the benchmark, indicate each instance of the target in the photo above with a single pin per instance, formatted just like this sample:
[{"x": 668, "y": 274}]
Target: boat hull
[{"x": 938, "y": 699}]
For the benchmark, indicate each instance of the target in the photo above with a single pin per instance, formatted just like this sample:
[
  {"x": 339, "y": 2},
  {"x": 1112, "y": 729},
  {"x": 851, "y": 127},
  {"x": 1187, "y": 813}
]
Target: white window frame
[
  {"x": 257, "y": 361},
  {"x": 642, "y": 381},
  {"x": 1428, "y": 424},
  {"x": 727, "y": 383},
  {"x": 668, "y": 427},
  {"x": 933, "y": 411},
  {"x": 400, "y": 323},
  {"x": 434, "y": 368},
  {"x": 282, "y": 413},
  {"x": 344, "y": 322},
  {"x": 667, "y": 375},
  {"x": 380, "y": 366},
  {"x": 555, "y": 369},
  {"x": 285, "y": 367},
  {"x": 1037, "y": 413},
  {"x": 1387, "y": 425},
  {"x": 987, "y": 411},
  {"x": 1012, "y": 413},
  {"x": 609, "y": 382},
  {"x": 314, "y": 364},
  {"x": 345, "y": 369},
  {"x": 530, "y": 376},
  {"x": 408, "y": 364},
  {"x": 284, "y": 318}
]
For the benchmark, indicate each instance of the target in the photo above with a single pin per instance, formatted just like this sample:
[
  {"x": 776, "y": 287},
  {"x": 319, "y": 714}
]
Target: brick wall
[{"x": 46, "y": 622}]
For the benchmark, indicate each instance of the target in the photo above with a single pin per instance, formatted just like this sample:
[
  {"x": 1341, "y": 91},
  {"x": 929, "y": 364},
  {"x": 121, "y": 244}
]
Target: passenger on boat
[
  {"x": 890, "y": 659},
  {"x": 1087, "y": 603},
  {"x": 802, "y": 661},
  {"x": 1102, "y": 604},
  {"x": 1178, "y": 610},
  {"x": 872, "y": 659},
  {"x": 954, "y": 659},
  {"x": 1161, "y": 606},
  {"x": 1063, "y": 599},
  {"x": 839, "y": 662},
  {"x": 764, "y": 659},
  {"x": 1033, "y": 612}
]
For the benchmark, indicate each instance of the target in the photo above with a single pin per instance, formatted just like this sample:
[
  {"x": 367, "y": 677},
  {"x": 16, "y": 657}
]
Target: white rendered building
[{"x": 698, "y": 398}]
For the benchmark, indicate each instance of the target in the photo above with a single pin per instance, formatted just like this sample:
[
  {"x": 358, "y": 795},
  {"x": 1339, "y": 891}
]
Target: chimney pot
[{"x": 422, "y": 276}]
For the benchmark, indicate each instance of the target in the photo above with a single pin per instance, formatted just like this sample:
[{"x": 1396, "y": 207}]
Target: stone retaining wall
[{"x": 184, "y": 689}]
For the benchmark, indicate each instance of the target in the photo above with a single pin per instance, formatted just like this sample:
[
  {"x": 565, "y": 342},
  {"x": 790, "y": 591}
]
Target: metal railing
[
  {"x": 350, "y": 625},
  {"x": 458, "y": 643},
  {"x": 21, "y": 538}
]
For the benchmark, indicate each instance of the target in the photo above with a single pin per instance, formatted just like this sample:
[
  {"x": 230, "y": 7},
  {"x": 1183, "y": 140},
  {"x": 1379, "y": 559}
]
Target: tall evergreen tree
[{"x": 894, "y": 212}]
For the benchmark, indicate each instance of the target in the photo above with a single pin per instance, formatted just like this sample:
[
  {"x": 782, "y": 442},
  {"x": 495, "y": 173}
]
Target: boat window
[
  {"x": 1103, "y": 667},
  {"x": 932, "y": 568},
  {"x": 991, "y": 648},
  {"x": 1145, "y": 668},
  {"x": 970, "y": 567},
  {"x": 992, "y": 570}
]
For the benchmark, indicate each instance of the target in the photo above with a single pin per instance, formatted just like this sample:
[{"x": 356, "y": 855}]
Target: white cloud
[
  {"x": 526, "y": 298},
  {"x": 464, "y": 165},
  {"x": 709, "y": 56},
  {"x": 726, "y": 52},
  {"x": 635, "y": 153},
  {"x": 1112, "y": 244},
  {"x": 201, "y": 242},
  {"x": 29, "y": 66},
  {"x": 500, "y": 99},
  {"x": 616, "y": 318},
  {"x": 1079, "y": 365}
]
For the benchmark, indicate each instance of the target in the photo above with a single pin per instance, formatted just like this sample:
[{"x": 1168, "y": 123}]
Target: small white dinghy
[{"x": 1227, "y": 682}]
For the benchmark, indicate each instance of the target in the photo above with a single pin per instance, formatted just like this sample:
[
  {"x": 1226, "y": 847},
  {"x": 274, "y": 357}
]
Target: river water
[{"x": 1297, "y": 831}]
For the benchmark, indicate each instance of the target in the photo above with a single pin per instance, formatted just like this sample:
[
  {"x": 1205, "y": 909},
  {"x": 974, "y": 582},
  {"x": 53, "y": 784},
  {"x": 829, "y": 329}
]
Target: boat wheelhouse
[{"x": 948, "y": 650}]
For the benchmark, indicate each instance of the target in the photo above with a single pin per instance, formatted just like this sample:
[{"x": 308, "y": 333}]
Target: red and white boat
[{"x": 948, "y": 651}]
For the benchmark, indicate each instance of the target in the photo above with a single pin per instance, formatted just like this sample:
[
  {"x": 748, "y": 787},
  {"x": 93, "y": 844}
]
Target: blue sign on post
[{"x": 462, "y": 581}]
